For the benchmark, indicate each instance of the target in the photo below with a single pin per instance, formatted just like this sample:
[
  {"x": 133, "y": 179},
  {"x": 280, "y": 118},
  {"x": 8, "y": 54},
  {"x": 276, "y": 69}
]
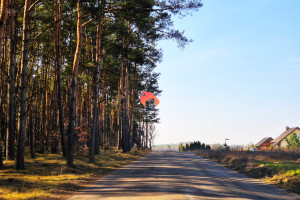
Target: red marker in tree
[{"x": 145, "y": 96}]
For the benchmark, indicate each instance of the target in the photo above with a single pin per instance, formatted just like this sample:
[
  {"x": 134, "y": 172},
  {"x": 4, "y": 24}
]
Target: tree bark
[
  {"x": 140, "y": 129},
  {"x": 3, "y": 17},
  {"x": 23, "y": 95},
  {"x": 73, "y": 88},
  {"x": 128, "y": 146},
  {"x": 44, "y": 112},
  {"x": 1, "y": 157},
  {"x": 122, "y": 105},
  {"x": 146, "y": 145},
  {"x": 132, "y": 104},
  {"x": 89, "y": 103},
  {"x": 47, "y": 102},
  {"x": 32, "y": 151},
  {"x": 57, "y": 29},
  {"x": 11, "y": 84},
  {"x": 54, "y": 140},
  {"x": 96, "y": 94},
  {"x": 119, "y": 116}
]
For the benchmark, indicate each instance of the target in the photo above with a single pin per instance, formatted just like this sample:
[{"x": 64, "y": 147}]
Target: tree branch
[
  {"x": 86, "y": 23},
  {"x": 32, "y": 5}
]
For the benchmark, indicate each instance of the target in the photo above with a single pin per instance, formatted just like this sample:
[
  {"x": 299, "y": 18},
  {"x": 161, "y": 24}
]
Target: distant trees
[{"x": 193, "y": 146}]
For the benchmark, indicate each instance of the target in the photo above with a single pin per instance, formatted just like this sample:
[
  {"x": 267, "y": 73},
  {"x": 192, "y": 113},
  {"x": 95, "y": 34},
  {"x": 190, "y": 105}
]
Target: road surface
[{"x": 173, "y": 175}]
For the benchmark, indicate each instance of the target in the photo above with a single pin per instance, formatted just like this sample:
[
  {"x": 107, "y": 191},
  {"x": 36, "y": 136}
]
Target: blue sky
[{"x": 239, "y": 79}]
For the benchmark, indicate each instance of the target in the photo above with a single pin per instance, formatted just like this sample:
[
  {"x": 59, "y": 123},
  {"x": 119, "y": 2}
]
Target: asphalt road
[{"x": 173, "y": 175}]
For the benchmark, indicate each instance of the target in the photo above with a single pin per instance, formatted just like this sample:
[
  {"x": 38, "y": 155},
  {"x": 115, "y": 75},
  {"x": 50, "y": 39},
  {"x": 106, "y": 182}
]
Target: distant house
[
  {"x": 264, "y": 143},
  {"x": 280, "y": 141}
]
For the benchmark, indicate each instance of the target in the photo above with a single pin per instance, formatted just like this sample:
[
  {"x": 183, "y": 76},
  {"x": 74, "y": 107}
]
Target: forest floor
[
  {"x": 283, "y": 172},
  {"x": 48, "y": 177}
]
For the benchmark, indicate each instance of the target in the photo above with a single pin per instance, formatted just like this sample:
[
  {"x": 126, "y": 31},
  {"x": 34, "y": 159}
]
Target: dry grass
[
  {"x": 281, "y": 168},
  {"x": 48, "y": 177}
]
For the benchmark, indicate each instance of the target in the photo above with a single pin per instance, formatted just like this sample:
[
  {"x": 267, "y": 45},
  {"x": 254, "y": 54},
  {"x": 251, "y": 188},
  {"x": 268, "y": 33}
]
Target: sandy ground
[{"x": 173, "y": 175}]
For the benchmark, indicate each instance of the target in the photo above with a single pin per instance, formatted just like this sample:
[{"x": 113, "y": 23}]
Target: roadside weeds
[{"x": 283, "y": 172}]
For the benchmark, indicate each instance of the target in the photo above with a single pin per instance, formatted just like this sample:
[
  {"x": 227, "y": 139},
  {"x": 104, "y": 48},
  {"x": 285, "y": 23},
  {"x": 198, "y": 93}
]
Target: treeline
[
  {"x": 193, "y": 146},
  {"x": 72, "y": 71}
]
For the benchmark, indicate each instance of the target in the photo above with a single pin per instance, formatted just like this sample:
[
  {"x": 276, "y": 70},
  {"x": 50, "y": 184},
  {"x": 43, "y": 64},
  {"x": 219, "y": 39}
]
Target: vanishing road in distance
[{"x": 174, "y": 175}]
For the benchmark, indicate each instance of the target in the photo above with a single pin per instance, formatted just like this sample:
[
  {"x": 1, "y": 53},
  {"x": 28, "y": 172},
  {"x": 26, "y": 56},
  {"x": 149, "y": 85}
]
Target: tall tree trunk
[
  {"x": 122, "y": 105},
  {"x": 97, "y": 139},
  {"x": 132, "y": 104},
  {"x": 128, "y": 146},
  {"x": 146, "y": 145},
  {"x": 96, "y": 87},
  {"x": 1, "y": 157},
  {"x": 54, "y": 140},
  {"x": 32, "y": 151},
  {"x": 2, "y": 130},
  {"x": 119, "y": 116},
  {"x": 23, "y": 95},
  {"x": 11, "y": 84},
  {"x": 3, "y": 17},
  {"x": 87, "y": 45},
  {"x": 79, "y": 100},
  {"x": 142, "y": 134},
  {"x": 82, "y": 109},
  {"x": 73, "y": 88},
  {"x": 3, "y": 122},
  {"x": 57, "y": 29},
  {"x": 89, "y": 103},
  {"x": 96, "y": 92},
  {"x": 44, "y": 111},
  {"x": 47, "y": 103},
  {"x": 140, "y": 129}
]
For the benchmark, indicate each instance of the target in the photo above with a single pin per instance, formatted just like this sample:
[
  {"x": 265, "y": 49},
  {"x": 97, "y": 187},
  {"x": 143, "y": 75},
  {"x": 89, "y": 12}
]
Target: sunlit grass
[
  {"x": 48, "y": 177},
  {"x": 287, "y": 174},
  {"x": 281, "y": 166}
]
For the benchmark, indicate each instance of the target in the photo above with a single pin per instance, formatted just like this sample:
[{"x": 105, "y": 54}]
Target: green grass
[
  {"x": 48, "y": 177},
  {"x": 282, "y": 167}
]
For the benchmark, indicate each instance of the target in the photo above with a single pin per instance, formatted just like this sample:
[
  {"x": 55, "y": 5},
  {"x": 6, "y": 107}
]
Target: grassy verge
[
  {"x": 283, "y": 171},
  {"x": 48, "y": 177}
]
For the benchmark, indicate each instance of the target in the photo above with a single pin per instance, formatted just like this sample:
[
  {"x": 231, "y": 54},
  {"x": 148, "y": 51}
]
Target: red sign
[{"x": 145, "y": 96}]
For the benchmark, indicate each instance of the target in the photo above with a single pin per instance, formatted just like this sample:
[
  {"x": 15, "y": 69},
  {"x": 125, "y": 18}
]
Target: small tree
[
  {"x": 181, "y": 147},
  {"x": 219, "y": 147},
  {"x": 271, "y": 146},
  {"x": 152, "y": 134},
  {"x": 293, "y": 141},
  {"x": 187, "y": 147}
]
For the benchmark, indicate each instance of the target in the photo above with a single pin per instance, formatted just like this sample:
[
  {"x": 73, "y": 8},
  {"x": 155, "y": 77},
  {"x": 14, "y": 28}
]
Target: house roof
[
  {"x": 263, "y": 140},
  {"x": 284, "y": 135}
]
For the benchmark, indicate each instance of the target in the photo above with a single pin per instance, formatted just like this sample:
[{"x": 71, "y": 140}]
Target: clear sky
[{"x": 239, "y": 79}]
